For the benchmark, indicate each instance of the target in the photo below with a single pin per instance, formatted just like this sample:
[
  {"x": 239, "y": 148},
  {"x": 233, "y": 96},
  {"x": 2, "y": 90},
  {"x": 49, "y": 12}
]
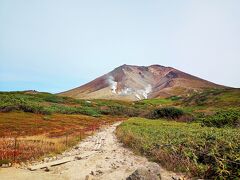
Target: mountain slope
[{"x": 129, "y": 82}]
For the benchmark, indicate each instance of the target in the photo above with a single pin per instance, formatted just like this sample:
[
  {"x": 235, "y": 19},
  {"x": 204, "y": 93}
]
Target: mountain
[{"x": 129, "y": 82}]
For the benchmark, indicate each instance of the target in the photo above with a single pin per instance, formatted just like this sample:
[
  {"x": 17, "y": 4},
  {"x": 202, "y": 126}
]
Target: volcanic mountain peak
[{"x": 131, "y": 82}]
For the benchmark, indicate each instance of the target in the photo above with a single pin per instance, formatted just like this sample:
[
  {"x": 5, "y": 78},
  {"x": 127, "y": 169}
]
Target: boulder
[
  {"x": 89, "y": 177},
  {"x": 149, "y": 172},
  {"x": 154, "y": 168}
]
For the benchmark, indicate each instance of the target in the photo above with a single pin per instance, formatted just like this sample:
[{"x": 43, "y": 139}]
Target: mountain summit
[{"x": 129, "y": 82}]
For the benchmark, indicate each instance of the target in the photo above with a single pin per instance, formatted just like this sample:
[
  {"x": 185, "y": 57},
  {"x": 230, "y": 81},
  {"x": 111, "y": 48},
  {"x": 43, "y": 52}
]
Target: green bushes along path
[{"x": 204, "y": 152}]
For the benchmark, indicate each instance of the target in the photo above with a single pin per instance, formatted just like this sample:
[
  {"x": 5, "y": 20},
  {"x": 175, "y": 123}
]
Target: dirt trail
[{"x": 104, "y": 158}]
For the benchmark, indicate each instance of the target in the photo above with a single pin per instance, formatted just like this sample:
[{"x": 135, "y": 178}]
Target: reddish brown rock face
[{"x": 140, "y": 82}]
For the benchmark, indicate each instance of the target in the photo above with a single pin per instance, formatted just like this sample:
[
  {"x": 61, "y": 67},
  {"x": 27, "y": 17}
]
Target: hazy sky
[{"x": 55, "y": 45}]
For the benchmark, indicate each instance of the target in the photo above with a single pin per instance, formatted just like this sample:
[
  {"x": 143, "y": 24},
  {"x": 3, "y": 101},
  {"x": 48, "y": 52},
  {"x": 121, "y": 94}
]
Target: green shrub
[
  {"x": 175, "y": 98},
  {"x": 35, "y": 108},
  {"x": 13, "y": 102},
  {"x": 167, "y": 112},
  {"x": 90, "y": 111},
  {"x": 53, "y": 99},
  {"x": 120, "y": 110},
  {"x": 230, "y": 118}
]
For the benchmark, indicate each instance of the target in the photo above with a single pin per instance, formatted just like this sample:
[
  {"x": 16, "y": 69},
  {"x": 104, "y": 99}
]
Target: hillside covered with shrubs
[{"x": 197, "y": 134}]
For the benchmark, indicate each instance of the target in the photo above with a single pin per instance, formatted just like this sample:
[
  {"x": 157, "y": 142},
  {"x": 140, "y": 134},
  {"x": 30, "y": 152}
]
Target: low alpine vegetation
[
  {"x": 167, "y": 112},
  {"x": 230, "y": 118},
  {"x": 205, "y": 152}
]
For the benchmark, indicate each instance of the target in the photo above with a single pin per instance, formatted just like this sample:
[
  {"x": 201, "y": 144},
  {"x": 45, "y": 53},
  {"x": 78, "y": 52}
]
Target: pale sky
[{"x": 56, "y": 45}]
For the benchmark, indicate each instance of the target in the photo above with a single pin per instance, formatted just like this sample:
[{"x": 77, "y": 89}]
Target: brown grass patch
[{"x": 28, "y": 136}]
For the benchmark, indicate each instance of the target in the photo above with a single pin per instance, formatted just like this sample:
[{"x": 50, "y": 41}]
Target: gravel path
[{"x": 99, "y": 156}]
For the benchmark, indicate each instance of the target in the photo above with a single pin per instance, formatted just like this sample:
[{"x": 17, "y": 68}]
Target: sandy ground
[{"x": 107, "y": 159}]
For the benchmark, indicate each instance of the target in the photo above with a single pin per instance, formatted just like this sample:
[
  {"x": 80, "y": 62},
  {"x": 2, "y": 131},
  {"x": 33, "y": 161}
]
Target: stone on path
[
  {"x": 89, "y": 177},
  {"x": 150, "y": 172}
]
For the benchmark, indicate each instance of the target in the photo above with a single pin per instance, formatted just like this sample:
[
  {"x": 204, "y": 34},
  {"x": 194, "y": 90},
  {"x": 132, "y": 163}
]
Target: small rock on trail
[{"x": 145, "y": 173}]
